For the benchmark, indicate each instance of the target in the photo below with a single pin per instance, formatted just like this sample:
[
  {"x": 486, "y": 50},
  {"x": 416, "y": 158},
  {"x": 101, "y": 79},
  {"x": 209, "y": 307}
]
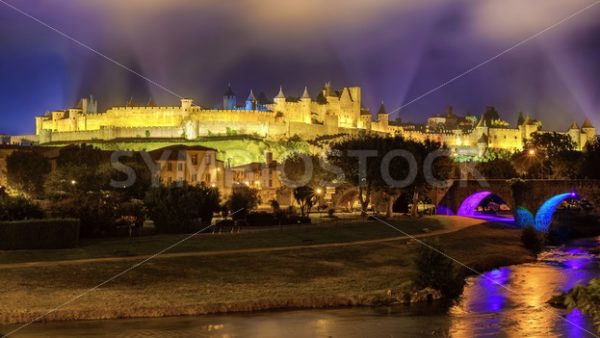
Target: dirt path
[{"x": 452, "y": 225}]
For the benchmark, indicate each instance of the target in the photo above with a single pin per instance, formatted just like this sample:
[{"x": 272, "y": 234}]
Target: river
[{"x": 508, "y": 302}]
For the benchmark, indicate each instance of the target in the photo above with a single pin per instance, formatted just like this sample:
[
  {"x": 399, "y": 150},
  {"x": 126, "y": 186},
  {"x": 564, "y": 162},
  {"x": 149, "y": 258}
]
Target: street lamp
[{"x": 532, "y": 153}]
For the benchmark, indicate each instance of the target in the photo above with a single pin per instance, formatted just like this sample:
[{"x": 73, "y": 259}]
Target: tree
[
  {"x": 19, "y": 208},
  {"x": 241, "y": 201},
  {"x": 591, "y": 160},
  {"x": 27, "y": 171},
  {"x": 97, "y": 212},
  {"x": 305, "y": 197},
  {"x": 143, "y": 177},
  {"x": 345, "y": 154},
  {"x": 436, "y": 270},
  {"x": 490, "y": 114},
  {"x": 546, "y": 155},
  {"x": 302, "y": 169},
  {"x": 497, "y": 169},
  {"x": 520, "y": 120},
  {"x": 179, "y": 208},
  {"x": 380, "y": 152},
  {"x": 79, "y": 169},
  {"x": 550, "y": 145},
  {"x": 567, "y": 165}
]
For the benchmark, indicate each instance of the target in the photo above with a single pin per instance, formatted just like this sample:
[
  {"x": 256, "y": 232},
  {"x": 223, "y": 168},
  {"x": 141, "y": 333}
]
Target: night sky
[{"x": 396, "y": 50}]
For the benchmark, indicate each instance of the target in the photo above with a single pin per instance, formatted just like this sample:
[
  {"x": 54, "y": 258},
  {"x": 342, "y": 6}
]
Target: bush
[
  {"x": 260, "y": 219},
  {"x": 181, "y": 208},
  {"x": 96, "y": 211},
  {"x": 19, "y": 208},
  {"x": 435, "y": 270},
  {"x": 39, "y": 234},
  {"x": 241, "y": 201},
  {"x": 532, "y": 240},
  {"x": 586, "y": 298},
  {"x": 26, "y": 171}
]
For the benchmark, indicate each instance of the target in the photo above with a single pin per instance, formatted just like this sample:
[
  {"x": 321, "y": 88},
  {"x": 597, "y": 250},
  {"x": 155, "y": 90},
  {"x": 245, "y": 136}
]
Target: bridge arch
[
  {"x": 468, "y": 207},
  {"x": 543, "y": 217}
]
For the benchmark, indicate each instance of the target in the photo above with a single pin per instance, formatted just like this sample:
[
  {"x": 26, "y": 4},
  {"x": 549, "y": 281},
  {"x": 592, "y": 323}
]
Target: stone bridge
[{"x": 533, "y": 201}]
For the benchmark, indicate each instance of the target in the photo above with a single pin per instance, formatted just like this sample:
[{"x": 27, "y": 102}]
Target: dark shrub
[
  {"x": 241, "y": 201},
  {"x": 19, "y": 208},
  {"x": 26, "y": 171},
  {"x": 435, "y": 270},
  {"x": 260, "y": 219},
  {"x": 181, "y": 208},
  {"x": 39, "y": 234},
  {"x": 97, "y": 212},
  {"x": 532, "y": 240}
]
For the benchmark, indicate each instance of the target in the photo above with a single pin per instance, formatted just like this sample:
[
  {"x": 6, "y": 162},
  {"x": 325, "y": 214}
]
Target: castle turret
[
  {"x": 84, "y": 105},
  {"x": 382, "y": 117},
  {"x": 588, "y": 132},
  {"x": 280, "y": 100},
  {"x": 280, "y": 96},
  {"x": 251, "y": 101},
  {"x": 186, "y": 107},
  {"x": 229, "y": 99},
  {"x": 575, "y": 134},
  {"x": 305, "y": 95},
  {"x": 529, "y": 127}
]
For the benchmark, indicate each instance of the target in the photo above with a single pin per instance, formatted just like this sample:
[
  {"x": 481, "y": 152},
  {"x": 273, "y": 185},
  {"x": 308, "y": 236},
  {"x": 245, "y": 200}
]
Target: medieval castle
[{"x": 332, "y": 112}]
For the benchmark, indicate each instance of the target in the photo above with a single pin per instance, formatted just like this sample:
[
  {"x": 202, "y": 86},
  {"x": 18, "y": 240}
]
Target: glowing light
[
  {"x": 531, "y": 152},
  {"x": 524, "y": 218},
  {"x": 468, "y": 206},
  {"x": 492, "y": 282},
  {"x": 543, "y": 218},
  {"x": 444, "y": 210},
  {"x": 318, "y": 191}
]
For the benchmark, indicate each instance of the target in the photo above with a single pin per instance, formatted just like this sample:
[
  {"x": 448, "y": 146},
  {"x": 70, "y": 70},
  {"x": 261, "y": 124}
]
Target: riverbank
[{"x": 329, "y": 275}]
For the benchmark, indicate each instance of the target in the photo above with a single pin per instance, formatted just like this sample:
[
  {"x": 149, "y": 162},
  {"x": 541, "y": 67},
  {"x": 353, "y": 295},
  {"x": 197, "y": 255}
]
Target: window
[
  {"x": 208, "y": 158},
  {"x": 270, "y": 183},
  {"x": 169, "y": 167},
  {"x": 194, "y": 178},
  {"x": 195, "y": 159},
  {"x": 207, "y": 178},
  {"x": 179, "y": 166}
]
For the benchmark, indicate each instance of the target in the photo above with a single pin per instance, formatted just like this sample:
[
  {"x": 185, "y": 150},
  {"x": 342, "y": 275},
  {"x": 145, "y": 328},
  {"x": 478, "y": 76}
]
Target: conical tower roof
[
  {"x": 251, "y": 96},
  {"x": 305, "y": 95},
  {"x": 229, "y": 91},
  {"x": 574, "y": 126},
  {"x": 280, "y": 95},
  {"x": 587, "y": 124}
]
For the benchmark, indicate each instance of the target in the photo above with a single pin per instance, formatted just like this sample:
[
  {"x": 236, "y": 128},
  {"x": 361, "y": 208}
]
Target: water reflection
[{"x": 512, "y": 301}]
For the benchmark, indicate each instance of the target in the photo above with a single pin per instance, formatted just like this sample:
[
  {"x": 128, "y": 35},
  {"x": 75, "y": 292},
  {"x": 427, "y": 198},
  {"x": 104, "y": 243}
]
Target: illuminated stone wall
[{"x": 336, "y": 112}]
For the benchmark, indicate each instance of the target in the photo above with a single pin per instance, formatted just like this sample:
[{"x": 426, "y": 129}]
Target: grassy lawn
[
  {"x": 293, "y": 278},
  {"x": 327, "y": 232}
]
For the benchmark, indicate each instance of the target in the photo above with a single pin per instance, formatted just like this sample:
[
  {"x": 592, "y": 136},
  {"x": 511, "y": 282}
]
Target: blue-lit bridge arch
[{"x": 543, "y": 217}]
